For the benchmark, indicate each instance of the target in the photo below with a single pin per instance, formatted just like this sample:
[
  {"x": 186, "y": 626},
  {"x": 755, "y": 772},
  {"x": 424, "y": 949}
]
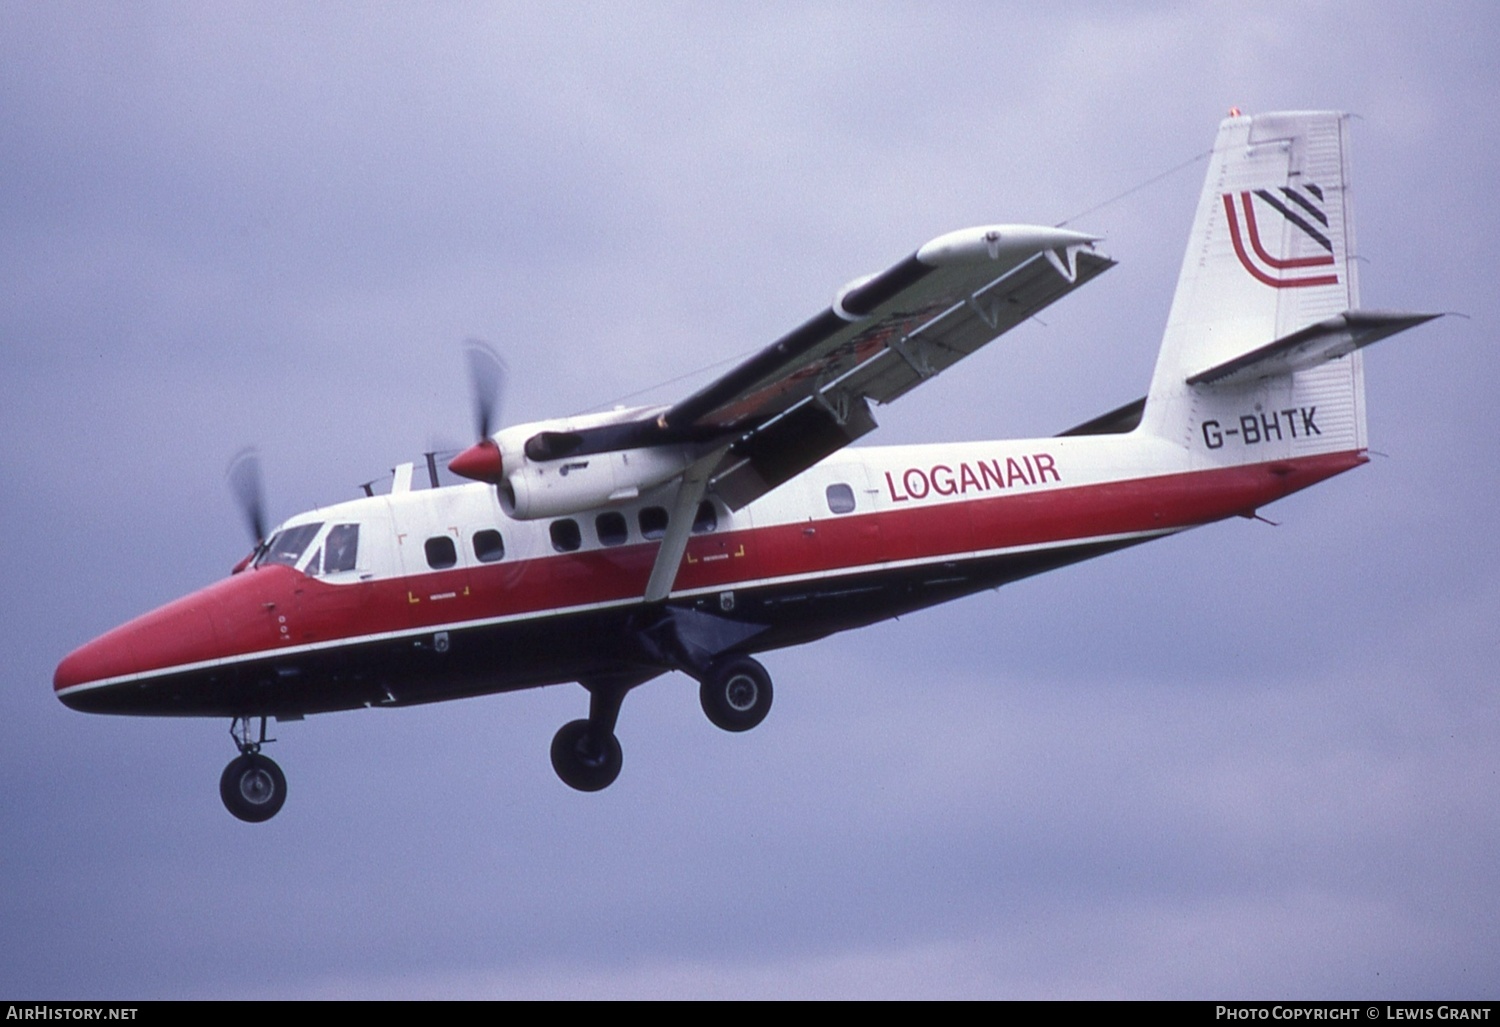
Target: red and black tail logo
[{"x": 1307, "y": 215}]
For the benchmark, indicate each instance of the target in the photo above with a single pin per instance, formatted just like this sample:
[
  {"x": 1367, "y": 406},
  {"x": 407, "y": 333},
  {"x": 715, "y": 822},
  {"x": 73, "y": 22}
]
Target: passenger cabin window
[
  {"x": 341, "y": 550},
  {"x": 286, "y": 547},
  {"x": 565, "y": 535},
  {"x": 611, "y": 529},
  {"x": 441, "y": 552},
  {"x": 706, "y": 519},
  {"x": 653, "y": 521},
  {"x": 489, "y": 547},
  {"x": 840, "y": 498}
]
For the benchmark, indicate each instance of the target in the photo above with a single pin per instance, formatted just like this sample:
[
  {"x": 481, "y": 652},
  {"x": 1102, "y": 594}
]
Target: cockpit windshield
[{"x": 287, "y": 546}]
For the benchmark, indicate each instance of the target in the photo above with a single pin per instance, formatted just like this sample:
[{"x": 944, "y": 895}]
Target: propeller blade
[
  {"x": 245, "y": 482},
  {"x": 487, "y": 374}
]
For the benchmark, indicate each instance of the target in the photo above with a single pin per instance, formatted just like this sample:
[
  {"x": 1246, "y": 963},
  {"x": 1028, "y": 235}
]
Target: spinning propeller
[
  {"x": 245, "y": 482},
  {"x": 487, "y": 373},
  {"x": 481, "y": 461}
]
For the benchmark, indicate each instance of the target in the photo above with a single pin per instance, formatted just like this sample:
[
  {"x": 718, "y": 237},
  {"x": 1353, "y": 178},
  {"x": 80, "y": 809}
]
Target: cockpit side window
[
  {"x": 286, "y": 547},
  {"x": 341, "y": 550}
]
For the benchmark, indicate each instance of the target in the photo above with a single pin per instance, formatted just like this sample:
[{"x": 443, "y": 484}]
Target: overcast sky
[{"x": 1246, "y": 761}]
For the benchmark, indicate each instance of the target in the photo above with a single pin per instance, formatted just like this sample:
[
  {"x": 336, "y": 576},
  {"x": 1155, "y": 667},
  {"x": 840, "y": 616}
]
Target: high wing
[
  {"x": 800, "y": 399},
  {"x": 807, "y": 395}
]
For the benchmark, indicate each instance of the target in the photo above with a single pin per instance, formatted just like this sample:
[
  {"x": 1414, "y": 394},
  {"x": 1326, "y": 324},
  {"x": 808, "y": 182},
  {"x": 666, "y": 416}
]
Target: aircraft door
[
  {"x": 721, "y": 550},
  {"x": 437, "y": 588},
  {"x": 843, "y": 530},
  {"x": 331, "y": 599}
]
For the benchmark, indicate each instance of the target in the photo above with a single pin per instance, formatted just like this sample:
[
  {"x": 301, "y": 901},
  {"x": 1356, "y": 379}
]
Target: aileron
[
  {"x": 980, "y": 282},
  {"x": 807, "y": 395}
]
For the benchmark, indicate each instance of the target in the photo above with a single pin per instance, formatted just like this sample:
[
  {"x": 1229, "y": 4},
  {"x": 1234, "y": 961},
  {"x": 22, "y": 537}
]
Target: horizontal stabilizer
[
  {"x": 1118, "y": 421},
  {"x": 1308, "y": 347}
]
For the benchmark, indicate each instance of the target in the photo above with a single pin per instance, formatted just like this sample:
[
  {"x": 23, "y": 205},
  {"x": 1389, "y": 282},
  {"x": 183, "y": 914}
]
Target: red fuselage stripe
[{"x": 276, "y": 608}]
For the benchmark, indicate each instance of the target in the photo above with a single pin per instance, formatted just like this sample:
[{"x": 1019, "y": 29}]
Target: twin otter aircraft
[{"x": 614, "y": 548}]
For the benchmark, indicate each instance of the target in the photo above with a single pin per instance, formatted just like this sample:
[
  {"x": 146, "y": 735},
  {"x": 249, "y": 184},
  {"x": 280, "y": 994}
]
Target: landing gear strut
[
  {"x": 253, "y": 787},
  {"x": 736, "y": 693},
  {"x": 585, "y": 753}
]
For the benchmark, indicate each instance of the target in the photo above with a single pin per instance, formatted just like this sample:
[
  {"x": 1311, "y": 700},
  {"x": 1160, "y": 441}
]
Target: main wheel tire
[
  {"x": 253, "y": 787},
  {"x": 736, "y": 695},
  {"x": 584, "y": 761}
]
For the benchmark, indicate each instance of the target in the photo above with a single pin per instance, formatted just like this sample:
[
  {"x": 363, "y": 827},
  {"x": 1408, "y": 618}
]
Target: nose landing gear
[
  {"x": 585, "y": 759},
  {"x": 253, "y": 787},
  {"x": 585, "y": 753}
]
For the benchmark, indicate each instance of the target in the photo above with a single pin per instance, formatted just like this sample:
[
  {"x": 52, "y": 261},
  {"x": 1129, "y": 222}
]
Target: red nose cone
[
  {"x": 178, "y": 634},
  {"x": 481, "y": 462}
]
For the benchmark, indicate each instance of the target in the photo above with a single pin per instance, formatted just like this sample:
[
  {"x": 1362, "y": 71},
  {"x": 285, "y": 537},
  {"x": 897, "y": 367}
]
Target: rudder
[{"x": 1268, "y": 258}]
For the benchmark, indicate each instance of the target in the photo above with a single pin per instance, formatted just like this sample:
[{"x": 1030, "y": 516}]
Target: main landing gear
[
  {"x": 735, "y": 694},
  {"x": 253, "y": 787}
]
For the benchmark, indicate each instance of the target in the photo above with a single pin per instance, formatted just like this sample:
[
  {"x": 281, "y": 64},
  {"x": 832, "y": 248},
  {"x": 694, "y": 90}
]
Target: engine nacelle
[{"x": 570, "y": 485}]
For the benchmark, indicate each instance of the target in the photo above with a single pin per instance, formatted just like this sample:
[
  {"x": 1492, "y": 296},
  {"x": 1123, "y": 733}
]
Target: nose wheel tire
[
  {"x": 253, "y": 787},
  {"x": 736, "y": 695},
  {"x": 585, "y": 759}
]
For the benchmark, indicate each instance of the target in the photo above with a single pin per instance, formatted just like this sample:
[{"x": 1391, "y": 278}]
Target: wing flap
[
  {"x": 969, "y": 324},
  {"x": 786, "y": 447},
  {"x": 961, "y": 290},
  {"x": 913, "y": 327}
]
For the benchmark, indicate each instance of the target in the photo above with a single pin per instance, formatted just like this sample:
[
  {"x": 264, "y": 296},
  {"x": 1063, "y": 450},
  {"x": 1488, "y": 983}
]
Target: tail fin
[{"x": 1259, "y": 357}]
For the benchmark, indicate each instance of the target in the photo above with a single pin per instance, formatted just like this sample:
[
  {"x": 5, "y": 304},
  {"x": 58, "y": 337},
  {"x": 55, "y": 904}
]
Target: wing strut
[{"x": 680, "y": 525}]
